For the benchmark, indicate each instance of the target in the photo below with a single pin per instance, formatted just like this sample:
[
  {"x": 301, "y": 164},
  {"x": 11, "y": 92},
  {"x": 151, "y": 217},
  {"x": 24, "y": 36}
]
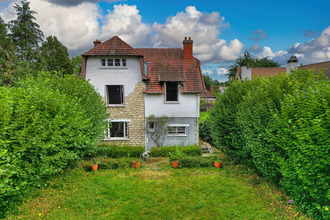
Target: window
[
  {"x": 177, "y": 129},
  {"x": 171, "y": 92},
  {"x": 151, "y": 127},
  {"x": 117, "y": 130},
  {"x": 115, "y": 94},
  {"x": 113, "y": 63}
]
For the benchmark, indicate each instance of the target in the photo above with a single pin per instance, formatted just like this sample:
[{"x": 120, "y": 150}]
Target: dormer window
[{"x": 113, "y": 63}]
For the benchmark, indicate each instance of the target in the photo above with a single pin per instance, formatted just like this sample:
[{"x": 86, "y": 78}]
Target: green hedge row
[
  {"x": 187, "y": 150},
  {"x": 197, "y": 161},
  {"x": 46, "y": 122},
  {"x": 117, "y": 163},
  {"x": 280, "y": 126},
  {"x": 114, "y": 151}
]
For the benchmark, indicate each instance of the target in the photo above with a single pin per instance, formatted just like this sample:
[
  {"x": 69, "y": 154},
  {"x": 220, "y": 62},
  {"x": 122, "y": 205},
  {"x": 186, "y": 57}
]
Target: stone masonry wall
[{"x": 134, "y": 110}]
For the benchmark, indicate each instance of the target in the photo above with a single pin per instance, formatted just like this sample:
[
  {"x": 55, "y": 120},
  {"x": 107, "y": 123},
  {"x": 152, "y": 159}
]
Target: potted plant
[
  {"x": 217, "y": 164},
  {"x": 136, "y": 163},
  {"x": 175, "y": 157},
  {"x": 95, "y": 164}
]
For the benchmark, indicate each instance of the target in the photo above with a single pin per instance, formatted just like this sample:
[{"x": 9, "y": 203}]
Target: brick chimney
[
  {"x": 188, "y": 49},
  {"x": 96, "y": 43},
  {"x": 211, "y": 89}
]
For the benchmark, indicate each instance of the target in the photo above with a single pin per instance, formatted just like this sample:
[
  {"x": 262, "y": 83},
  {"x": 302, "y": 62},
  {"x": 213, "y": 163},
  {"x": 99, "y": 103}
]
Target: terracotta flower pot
[
  {"x": 217, "y": 164},
  {"x": 175, "y": 163},
  {"x": 136, "y": 164},
  {"x": 95, "y": 167}
]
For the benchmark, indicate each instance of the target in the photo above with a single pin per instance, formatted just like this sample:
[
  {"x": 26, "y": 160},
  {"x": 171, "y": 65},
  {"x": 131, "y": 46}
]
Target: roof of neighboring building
[
  {"x": 317, "y": 66},
  {"x": 208, "y": 94},
  {"x": 113, "y": 46},
  {"x": 168, "y": 65},
  {"x": 267, "y": 71}
]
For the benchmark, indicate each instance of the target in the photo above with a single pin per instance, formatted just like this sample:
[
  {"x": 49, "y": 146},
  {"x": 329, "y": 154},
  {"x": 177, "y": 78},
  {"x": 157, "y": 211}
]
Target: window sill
[
  {"x": 113, "y": 67},
  {"x": 116, "y": 139},
  {"x": 172, "y": 102},
  {"x": 177, "y": 135},
  {"x": 115, "y": 106}
]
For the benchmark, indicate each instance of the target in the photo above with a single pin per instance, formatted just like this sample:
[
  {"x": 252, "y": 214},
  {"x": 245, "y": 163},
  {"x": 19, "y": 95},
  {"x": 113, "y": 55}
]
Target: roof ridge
[{"x": 314, "y": 63}]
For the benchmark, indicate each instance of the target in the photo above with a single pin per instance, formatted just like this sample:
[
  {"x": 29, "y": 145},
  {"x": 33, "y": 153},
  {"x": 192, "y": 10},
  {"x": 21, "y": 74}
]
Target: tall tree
[
  {"x": 250, "y": 61},
  {"x": 25, "y": 32},
  {"x": 55, "y": 56},
  {"x": 76, "y": 64}
]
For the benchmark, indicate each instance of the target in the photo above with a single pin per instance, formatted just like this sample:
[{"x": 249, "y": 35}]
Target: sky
[{"x": 221, "y": 30}]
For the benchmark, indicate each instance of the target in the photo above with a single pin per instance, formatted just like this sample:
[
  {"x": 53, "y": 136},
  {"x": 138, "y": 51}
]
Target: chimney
[
  {"x": 188, "y": 49},
  {"x": 211, "y": 89},
  {"x": 96, "y": 43},
  {"x": 292, "y": 64}
]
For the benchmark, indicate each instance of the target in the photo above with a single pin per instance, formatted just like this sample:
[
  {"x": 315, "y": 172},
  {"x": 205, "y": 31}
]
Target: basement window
[
  {"x": 172, "y": 92},
  {"x": 115, "y": 94},
  {"x": 117, "y": 130},
  {"x": 177, "y": 129}
]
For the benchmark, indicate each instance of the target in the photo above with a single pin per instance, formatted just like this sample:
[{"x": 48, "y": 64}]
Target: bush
[
  {"x": 187, "y": 150},
  {"x": 123, "y": 162},
  {"x": 281, "y": 127},
  {"x": 197, "y": 161},
  {"x": 45, "y": 124},
  {"x": 113, "y": 151}
]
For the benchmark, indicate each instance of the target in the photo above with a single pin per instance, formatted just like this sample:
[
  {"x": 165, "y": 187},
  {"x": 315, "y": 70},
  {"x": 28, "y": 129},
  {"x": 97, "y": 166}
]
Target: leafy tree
[
  {"x": 55, "y": 56},
  {"x": 25, "y": 32},
  {"x": 76, "y": 64},
  {"x": 250, "y": 61}
]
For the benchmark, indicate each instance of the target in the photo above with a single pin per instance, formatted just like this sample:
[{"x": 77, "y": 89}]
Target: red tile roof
[
  {"x": 113, "y": 46},
  {"x": 169, "y": 65}
]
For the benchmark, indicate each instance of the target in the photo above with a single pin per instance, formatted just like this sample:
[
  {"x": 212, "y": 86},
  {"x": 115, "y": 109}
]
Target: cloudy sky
[{"x": 221, "y": 30}]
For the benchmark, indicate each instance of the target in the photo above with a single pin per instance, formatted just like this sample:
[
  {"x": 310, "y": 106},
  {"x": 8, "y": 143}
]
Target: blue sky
[{"x": 221, "y": 30}]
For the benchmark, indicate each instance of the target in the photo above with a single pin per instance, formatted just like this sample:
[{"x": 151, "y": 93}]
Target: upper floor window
[
  {"x": 172, "y": 92},
  {"x": 115, "y": 94},
  {"x": 115, "y": 63}
]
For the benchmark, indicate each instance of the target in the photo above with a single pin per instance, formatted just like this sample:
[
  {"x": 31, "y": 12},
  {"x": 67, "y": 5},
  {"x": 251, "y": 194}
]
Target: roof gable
[{"x": 112, "y": 47}]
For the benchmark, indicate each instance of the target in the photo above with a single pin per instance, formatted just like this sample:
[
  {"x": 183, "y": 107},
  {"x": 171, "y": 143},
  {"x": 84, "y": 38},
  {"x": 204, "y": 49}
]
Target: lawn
[{"x": 157, "y": 191}]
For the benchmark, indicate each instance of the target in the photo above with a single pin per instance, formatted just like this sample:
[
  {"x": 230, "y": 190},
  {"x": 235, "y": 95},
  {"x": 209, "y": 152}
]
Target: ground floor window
[
  {"x": 117, "y": 130},
  {"x": 177, "y": 129}
]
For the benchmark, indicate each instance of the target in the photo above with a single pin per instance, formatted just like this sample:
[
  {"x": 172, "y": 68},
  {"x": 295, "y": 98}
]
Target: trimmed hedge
[
  {"x": 123, "y": 162},
  {"x": 197, "y": 161},
  {"x": 187, "y": 150},
  {"x": 114, "y": 151},
  {"x": 281, "y": 127}
]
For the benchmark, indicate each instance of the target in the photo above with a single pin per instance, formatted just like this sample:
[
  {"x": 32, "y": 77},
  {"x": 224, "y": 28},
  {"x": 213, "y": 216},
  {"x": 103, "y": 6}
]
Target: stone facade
[{"x": 134, "y": 110}]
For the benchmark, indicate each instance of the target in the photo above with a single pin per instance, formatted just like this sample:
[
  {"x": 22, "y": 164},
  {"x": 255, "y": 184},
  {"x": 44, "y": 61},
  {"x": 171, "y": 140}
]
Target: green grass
[{"x": 157, "y": 191}]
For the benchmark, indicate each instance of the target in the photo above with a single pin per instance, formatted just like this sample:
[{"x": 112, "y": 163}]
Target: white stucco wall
[
  {"x": 246, "y": 72},
  {"x": 188, "y": 106},
  {"x": 100, "y": 76}
]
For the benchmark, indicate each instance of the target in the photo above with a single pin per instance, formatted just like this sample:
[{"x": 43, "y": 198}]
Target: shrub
[
  {"x": 197, "y": 161},
  {"x": 187, "y": 150},
  {"x": 113, "y": 151},
  {"x": 123, "y": 162},
  {"x": 45, "y": 124}
]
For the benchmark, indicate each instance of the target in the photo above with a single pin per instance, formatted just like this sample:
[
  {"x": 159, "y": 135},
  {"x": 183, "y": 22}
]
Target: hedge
[
  {"x": 46, "y": 122},
  {"x": 114, "y": 151},
  {"x": 187, "y": 150},
  {"x": 197, "y": 161},
  {"x": 281, "y": 127}
]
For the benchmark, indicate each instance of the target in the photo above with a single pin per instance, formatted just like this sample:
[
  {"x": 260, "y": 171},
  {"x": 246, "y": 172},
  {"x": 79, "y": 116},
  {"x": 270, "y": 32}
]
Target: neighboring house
[
  {"x": 140, "y": 84},
  {"x": 292, "y": 63},
  {"x": 209, "y": 95}
]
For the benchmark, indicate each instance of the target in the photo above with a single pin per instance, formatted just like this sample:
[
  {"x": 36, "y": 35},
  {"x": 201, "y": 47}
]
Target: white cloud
[
  {"x": 208, "y": 72},
  {"x": 222, "y": 71},
  {"x": 204, "y": 29},
  {"x": 125, "y": 22}
]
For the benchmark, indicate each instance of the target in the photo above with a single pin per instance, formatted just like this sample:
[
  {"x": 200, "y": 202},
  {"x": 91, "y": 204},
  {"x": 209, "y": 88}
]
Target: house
[
  {"x": 209, "y": 95},
  {"x": 292, "y": 63},
  {"x": 152, "y": 94}
]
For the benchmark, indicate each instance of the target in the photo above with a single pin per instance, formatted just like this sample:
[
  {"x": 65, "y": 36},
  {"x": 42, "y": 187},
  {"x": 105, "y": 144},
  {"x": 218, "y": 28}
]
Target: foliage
[
  {"x": 176, "y": 155},
  {"x": 76, "y": 64},
  {"x": 55, "y": 57},
  {"x": 205, "y": 126},
  {"x": 160, "y": 128},
  {"x": 114, "y": 151},
  {"x": 45, "y": 123},
  {"x": 248, "y": 60},
  {"x": 123, "y": 162},
  {"x": 187, "y": 150},
  {"x": 280, "y": 126},
  {"x": 197, "y": 161},
  {"x": 25, "y": 32}
]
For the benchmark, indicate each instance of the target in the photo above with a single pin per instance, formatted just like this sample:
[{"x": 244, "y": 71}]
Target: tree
[
  {"x": 55, "y": 57},
  {"x": 76, "y": 64},
  {"x": 250, "y": 61},
  {"x": 25, "y": 32},
  {"x": 208, "y": 81}
]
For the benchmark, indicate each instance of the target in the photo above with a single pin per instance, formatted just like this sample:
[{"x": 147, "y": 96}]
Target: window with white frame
[
  {"x": 172, "y": 92},
  {"x": 177, "y": 129},
  {"x": 113, "y": 63},
  {"x": 115, "y": 94},
  {"x": 117, "y": 130}
]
